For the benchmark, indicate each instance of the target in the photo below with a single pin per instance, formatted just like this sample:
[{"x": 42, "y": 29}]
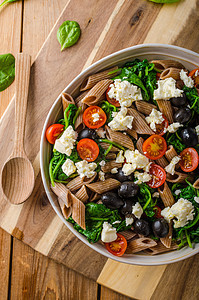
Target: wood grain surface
[{"x": 122, "y": 24}]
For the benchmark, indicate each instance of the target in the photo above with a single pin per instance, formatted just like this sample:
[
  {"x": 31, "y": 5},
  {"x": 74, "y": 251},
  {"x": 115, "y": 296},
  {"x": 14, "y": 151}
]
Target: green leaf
[
  {"x": 68, "y": 34},
  {"x": 164, "y": 1},
  {"x": 7, "y": 70}
]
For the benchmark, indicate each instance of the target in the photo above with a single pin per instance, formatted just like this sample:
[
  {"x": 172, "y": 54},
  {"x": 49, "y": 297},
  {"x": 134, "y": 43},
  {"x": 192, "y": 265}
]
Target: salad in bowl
[{"x": 124, "y": 155}]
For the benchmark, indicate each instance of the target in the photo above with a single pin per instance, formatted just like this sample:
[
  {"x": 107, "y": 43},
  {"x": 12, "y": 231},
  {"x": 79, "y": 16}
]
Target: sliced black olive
[
  {"x": 179, "y": 101},
  {"x": 182, "y": 115},
  {"x": 112, "y": 200},
  {"x": 160, "y": 228},
  {"x": 87, "y": 133},
  {"x": 121, "y": 177},
  {"x": 189, "y": 136},
  {"x": 127, "y": 207},
  {"x": 142, "y": 227},
  {"x": 128, "y": 189}
]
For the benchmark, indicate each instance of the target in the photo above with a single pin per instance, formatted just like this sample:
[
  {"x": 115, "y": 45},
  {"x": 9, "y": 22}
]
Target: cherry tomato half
[
  {"x": 112, "y": 101},
  {"x": 157, "y": 210},
  {"x": 194, "y": 77},
  {"x": 117, "y": 247},
  {"x": 154, "y": 147},
  {"x": 88, "y": 117},
  {"x": 189, "y": 160},
  {"x": 158, "y": 176},
  {"x": 88, "y": 149},
  {"x": 53, "y": 132},
  {"x": 160, "y": 128}
]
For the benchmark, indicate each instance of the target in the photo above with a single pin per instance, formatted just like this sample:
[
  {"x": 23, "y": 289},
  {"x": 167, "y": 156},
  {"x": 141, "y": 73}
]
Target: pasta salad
[{"x": 125, "y": 157}]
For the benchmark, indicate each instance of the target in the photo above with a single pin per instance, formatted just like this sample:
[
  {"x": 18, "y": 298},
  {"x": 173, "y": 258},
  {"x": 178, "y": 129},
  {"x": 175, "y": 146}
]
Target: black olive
[
  {"x": 112, "y": 200},
  {"x": 160, "y": 228},
  {"x": 182, "y": 115},
  {"x": 121, "y": 177},
  {"x": 128, "y": 189},
  {"x": 189, "y": 136},
  {"x": 142, "y": 227},
  {"x": 179, "y": 101},
  {"x": 87, "y": 133},
  {"x": 126, "y": 209}
]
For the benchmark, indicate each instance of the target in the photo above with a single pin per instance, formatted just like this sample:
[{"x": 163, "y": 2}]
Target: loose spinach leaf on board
[
  {"x": 68, "y": 34},
  {"x": 7, "y": 70},
  {"x": 7, "y": 1}
]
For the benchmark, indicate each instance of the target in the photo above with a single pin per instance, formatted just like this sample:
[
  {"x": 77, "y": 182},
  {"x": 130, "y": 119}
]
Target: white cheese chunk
[
  {"x": 135, "y": 157},
  {"x": 167, "y": 89},
  {"x": 147, "y": 168},
  {"x": 102, "y": 163},
  {"x": 108, "y": 233},
  {"x": 174, "y": 127},
  {"x": 188, "y": 81},
  {"x": 171, "y": 167},
  {"x": 181, "y": 212},
  {"x": 120, "y": 120},
  {"x": 177, "y": 192},
  {"x": 197, "y": 130},
  {"x": 196, "y": 199},
  {"x": 85, "y": 169},
  {"x": 129, "y": 221},
  {"x": 116, "y": 222},
  {"x": 156, "y": 195},
  {"x": 137, "y": 210},
  {"x": 124, "y": 92},
  {"x": 142, "y": 177},
  {"x": 128, "y": 169},
  {"x": 68, "y": 167},
  {"x": 65, "y": 143},
  {"x": 114, "y": 171},
  {"x": 120, "y": 157},
  {"x": 101, "y": 176},
  {"x": 95, "y": 117},
  {"x": 154, "y": 118},
  {"x": 196, "y": 73}
]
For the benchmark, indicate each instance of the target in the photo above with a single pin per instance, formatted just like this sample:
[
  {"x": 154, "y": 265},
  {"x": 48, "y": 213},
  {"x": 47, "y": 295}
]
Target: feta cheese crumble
[
  {"x": 196, "y": 199},
  {"x": 197, "y": 131},
  {"x": 120, "y": 120},
  {"x": 129, "y": 221},
  {"x": 65, "y": 143},
  {"x": 137, "y": 210},
  {"x": 167, "y": 89},
  {"x": 134, "y": 160},
  {"x": 156, "y": 195},
  {"x": 68, "y": 167},
  {"x": 174, "y": 127},
  {"x": 142, "y": 177},
  {"x": 124, "y": 92},
  {"x": 154, "y": 118},
  {"x": 86, "y": 169},
  {"x": 101, "y": 176},
  {"x": 108, "y": 233},
  {"x": 171, "y": 167},
  {"x": 120, "y": 157},
  {"x": 95, "y": 117},
  {"x": 188, "y": 81},
  {"x": 182, "y": 210},
  {"x": 114, "y": 171},
  {"x": 102, "y": 163},
  {"x": 177, "y": 192}
]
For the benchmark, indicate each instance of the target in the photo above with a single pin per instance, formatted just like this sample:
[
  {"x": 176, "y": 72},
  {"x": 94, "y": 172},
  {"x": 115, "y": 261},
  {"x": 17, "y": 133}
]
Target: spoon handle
[{"x": 22, "y": 69}]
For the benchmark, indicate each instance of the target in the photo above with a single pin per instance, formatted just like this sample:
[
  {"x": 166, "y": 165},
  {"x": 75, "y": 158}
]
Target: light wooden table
[{"x": 26, "y": 274}]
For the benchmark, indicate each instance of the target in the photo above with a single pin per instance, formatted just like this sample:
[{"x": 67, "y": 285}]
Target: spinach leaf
[
  {"x": 146, "y": 201},
  {"x": 70, "y": 115},
  {"x": 193, "y": 98},
  {"x": 174, "y": 140},
  {"x": 108, "y": 109},
  {"x": 68, "y": 34},
  {"x": 7, "y": 1},
  {"x": 7, "y": 70}
]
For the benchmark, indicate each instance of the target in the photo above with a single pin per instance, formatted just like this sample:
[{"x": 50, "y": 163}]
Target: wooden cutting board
[{"x": 107, "y": 26}]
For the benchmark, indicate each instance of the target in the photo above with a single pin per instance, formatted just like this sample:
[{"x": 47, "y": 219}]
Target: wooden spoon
[{"x": 17, "y": 174}]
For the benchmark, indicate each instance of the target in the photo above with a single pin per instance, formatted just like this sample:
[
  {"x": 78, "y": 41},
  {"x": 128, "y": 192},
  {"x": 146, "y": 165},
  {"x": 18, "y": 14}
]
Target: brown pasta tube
[
  {"x": 120, "y": 138},
  {"x": 95, "y": 95},
  {"x": 111, "y": 156},
  {"x": 170, "y": 153},
  {"x": 90, "y": 81},
  {"x": 106, "y": 145},
  {"x": 101, "y": 187},
  {"x": 132, "y": 133},
  {"x": 144, "y": 107},
  {"x": 139, "y": 123},
  {"x": 66, "y": 211},
  {"x": 62, "y": 192},
  {"x": 66, "y": 100},
  {"x": 166, "y": 241},
  {"x": 162, "y": 64},
  {"x": 75, "y": 184},
  {"x": 166, "y": 108},
  {"x": 162, "y": 162},
  {"x": 79, "y": 124},
  {"x": 140, "y": 244},
  {"x": 95, "y": 197},
  {"x": 166, "y": 195},
  {"x": 196, "y": 184},
  {"x": 110, "y": 165},
  {"x": 78, "y": 211},
  {"x": 78, "y": 100},
  {"x": 171, "y": 72},
  {"x": 139, "y": 145},
  {"x": 82, "y": 194},
  {"x": 179, "y": 177},
  {"x": 128, "y": 234},
  {"x": 160, "y": 248}
]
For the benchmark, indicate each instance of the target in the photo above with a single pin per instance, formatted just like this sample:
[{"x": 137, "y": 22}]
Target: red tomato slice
[
  {"x": 89, "y": 119},
  {"x": 158, "y": 76},
  {"x": 157, "y": 210},
  {"x": 160, "y": 128},
  {"x": 189, "y": 160},
  {"x": 53, "y": 132},
  {"x": 158, "y": 176},
  {"x": 195, "y": 78},
  {"x": 88, "y": 149},
  {"x": 112, "y": 101},
  {"x": 154, "y": 147},
  {"x": 117, "y": 247}
]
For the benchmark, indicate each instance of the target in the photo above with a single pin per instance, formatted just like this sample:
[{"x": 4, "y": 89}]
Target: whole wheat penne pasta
[
  {"x": 196, "y": 184},
  {"x": 62, "y": 192},
  {"x": 166, "y": 195},
  {"x": 170, "y": 153},
  {"x": 162, "y": 64},
  {"x": 75, "y": 184},
  {"x": 110, "y": 165},
  {"x": 79, "y": 124},
  {"x": 160, "y": 248},
  {"x": 78, "y": 211},
  {"x": 106, "y": 146},
  {"x": 139, "y": 123},
  {"x": 139, "y": 244},
  {"x": 139, "y": 144},
  {"x": 91, "y": 80},
  {"x": 166, "y": 108},
  {"x": 144, "y": 107},
  {"x": 66, "y": 100},
  {"x": 95, "y": 197},
  {"x": 170, "y": 72},
  {"x": 132, "y": 133},
  {"x": 162, "y": 162},
  {"x": 119, "y": 138},
  {"x": 89, "y": 180},
  {"x": 166, "y": 241},
  {"x": 179, "y": 177},
  {"x": 101, "y": 187},
  {"x": 94, "y": 96},
  {"x": 66, "y": 211},
  {"x": 128, "y": 234},
  {"x": 179, "y": 84},
  {"x": 78, "y": 100},
  {"x": 82, "y": 194},
  {"x": 111, "y": 156}
]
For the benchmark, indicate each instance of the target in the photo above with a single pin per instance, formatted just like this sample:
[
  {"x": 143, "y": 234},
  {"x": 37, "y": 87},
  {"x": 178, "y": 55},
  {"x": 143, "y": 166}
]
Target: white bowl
[{"x": 190, "y": 60}]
